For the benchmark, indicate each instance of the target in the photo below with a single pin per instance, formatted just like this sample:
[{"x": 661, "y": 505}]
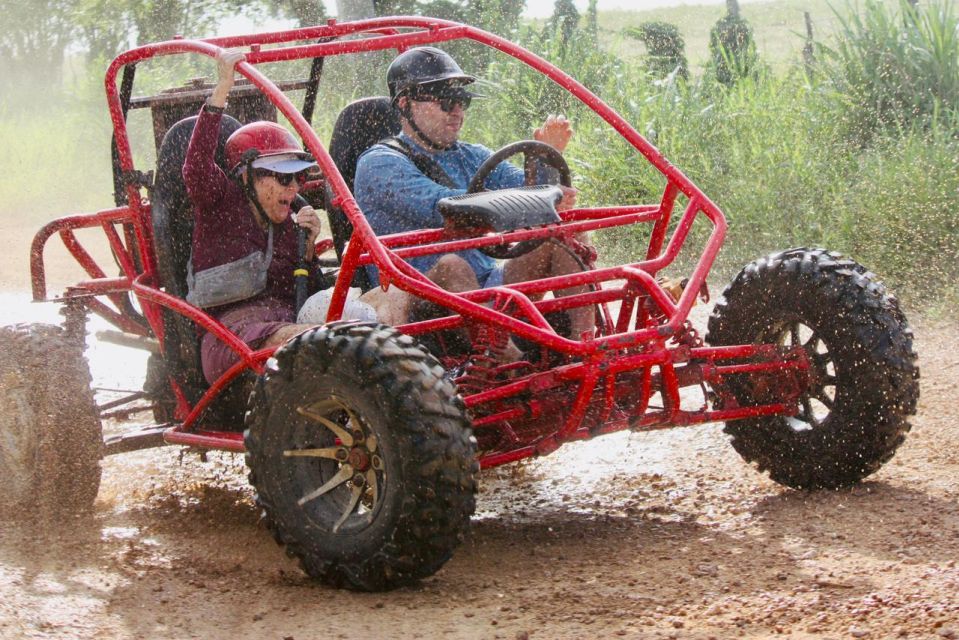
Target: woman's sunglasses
[{"x": 285, "y": 179}]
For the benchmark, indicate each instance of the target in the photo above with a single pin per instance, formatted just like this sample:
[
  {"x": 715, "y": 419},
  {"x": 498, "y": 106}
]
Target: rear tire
[
  {"x": 864, "y": 379},
  {"x": 50, "y": 436},
  {"x": 362, "y": 456}
]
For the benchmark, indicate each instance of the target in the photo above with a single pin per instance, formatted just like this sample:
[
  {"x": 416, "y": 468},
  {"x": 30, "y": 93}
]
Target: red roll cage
[{"x": 629, "y": 284}]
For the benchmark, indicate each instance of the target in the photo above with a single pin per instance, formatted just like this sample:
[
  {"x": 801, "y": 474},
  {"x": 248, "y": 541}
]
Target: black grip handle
[{"x": 301, "y": 275}]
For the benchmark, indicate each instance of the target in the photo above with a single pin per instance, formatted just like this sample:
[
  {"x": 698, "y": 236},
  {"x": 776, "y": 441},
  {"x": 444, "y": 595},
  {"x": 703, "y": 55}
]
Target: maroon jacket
[{"x": 224, "y": 227}]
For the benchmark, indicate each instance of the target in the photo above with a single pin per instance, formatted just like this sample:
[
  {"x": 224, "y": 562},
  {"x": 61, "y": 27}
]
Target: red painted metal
[{"x": 601, "y": 384}]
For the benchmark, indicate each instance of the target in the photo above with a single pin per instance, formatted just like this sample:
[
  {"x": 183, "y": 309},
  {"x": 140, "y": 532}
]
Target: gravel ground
[{"x": 644, "y": 535}]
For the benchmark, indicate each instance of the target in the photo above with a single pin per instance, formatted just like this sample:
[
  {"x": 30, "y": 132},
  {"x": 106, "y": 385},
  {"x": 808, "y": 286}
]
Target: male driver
[{"x": 429, "y": 90}]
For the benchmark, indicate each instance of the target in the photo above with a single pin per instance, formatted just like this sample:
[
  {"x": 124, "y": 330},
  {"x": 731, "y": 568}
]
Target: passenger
[
  {"x": 428, "y": 88},
  {"x": 245, "y": 247}
]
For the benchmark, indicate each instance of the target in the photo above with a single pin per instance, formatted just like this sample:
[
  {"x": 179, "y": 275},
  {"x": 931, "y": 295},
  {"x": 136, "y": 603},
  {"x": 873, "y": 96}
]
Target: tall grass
[
  {"x": 890, "y": 70},
  {"x": 900, "y": 213},
  {"x": 777, "y": 154}
]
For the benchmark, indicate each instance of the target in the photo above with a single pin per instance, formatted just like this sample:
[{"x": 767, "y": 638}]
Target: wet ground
[{"x": 655, "y": 535}]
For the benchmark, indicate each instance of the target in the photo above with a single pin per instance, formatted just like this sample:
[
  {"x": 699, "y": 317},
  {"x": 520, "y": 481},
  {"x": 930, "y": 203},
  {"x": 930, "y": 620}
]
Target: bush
[
  {"x": 731, "y": 47},
  {"x": 898, "y": 215},
  {"x": 665, "y": 49}
]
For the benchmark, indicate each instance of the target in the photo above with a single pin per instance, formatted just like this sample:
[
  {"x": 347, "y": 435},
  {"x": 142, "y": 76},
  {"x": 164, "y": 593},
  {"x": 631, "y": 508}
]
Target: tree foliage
[
  {"x": 34, "y": 40},
  {"x": 499, "y": 16},
  {"x": 665, "y": 48},
  {"x": 731, "y": 47},
  {"x": 38, "y": 33}
]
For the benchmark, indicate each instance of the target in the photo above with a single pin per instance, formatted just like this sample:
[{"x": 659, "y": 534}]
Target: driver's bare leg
[
  {"x": 393, "y": 305},
  {"x": 551, "y": 259}
]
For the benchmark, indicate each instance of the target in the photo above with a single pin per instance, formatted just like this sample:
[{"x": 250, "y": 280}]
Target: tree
[
  {"x": 565, "y": 19},
  {"x": 34, "y": 40},
  {"x": 731, "y": 46},
  {"x": 499, "y": 16},
  {"x": 665, "y": 48},
  {"x": 308, "y": 12}
]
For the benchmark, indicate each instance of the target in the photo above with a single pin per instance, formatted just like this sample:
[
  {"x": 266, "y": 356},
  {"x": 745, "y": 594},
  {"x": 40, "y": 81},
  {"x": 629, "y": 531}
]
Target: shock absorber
[{"x": 490, "y": 356}]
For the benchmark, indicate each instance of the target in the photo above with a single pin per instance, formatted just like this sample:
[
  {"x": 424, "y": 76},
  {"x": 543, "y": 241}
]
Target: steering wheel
[{"x": 532, "y": 149}]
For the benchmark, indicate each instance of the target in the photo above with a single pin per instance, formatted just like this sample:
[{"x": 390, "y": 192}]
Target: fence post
[{"x": 808, "y": 50}]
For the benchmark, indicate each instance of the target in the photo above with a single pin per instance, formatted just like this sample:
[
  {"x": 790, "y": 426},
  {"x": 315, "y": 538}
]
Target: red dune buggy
[{"x": 364, "y": 441}]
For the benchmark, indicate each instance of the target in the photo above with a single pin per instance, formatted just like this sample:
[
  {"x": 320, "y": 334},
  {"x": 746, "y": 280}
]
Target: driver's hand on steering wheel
[
  {"x": 569, "y": 198},
  {"x": 556, "y": 132},
  {"x": 307, "y": 219}
]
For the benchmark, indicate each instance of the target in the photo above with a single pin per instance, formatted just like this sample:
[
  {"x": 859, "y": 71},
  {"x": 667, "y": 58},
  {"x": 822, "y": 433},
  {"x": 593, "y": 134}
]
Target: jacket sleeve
[{"x": 205, "y": 181}]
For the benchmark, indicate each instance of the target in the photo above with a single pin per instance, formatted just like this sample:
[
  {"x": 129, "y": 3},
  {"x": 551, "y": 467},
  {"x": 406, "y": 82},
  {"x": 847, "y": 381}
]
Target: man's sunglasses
[
  {"x": 447, "y": 102},
  {"x": 285, "y": 179}
]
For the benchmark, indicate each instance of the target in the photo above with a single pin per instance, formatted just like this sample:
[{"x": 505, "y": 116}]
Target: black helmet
[{"x": 423, "y": 65}]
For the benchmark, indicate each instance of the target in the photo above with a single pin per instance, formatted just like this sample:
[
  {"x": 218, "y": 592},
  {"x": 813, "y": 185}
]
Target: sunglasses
[
  {"x": 447, "y": 103},
  {"x": 285, "y": 179}
]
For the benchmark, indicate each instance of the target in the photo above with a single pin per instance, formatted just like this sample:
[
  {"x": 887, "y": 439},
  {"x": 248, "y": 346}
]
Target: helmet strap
[
  {"x": 407, "y": 112},
  {"x": 251, "y": 191}
]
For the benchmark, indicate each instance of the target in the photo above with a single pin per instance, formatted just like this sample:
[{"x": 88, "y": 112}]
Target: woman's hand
[
  {"x": 226, "y": 68},
  {"x": 556, "y": 132},
  {"x": 569, "y": 198},
  {"x": 310, "y": 221}
]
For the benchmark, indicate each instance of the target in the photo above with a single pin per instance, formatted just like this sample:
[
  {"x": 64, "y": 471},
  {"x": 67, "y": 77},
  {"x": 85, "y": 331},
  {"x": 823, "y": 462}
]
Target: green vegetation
[
  {"x": 858, "y": 152},
  {"x": 664, "y": 46},
  {"x": 732, "y": 50}
]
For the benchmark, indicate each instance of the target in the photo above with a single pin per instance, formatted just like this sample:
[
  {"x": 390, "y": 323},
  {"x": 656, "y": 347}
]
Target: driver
[{"x": 429, "y": 90}]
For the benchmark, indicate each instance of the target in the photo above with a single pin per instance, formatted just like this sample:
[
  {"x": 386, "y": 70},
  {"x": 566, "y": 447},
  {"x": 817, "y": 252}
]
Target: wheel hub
[{"x": 359, "y": 458}]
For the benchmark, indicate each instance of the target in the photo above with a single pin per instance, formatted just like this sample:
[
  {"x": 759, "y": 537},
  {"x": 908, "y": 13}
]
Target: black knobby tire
[
  {"x": 864, "y": 378},
  {"x": 50, "y": 437},
  {"x": 365, "y": 398}
]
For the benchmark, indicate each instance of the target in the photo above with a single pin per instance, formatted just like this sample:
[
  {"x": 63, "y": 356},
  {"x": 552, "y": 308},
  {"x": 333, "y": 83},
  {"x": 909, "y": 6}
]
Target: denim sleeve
[{"x": 394, "y": 195}]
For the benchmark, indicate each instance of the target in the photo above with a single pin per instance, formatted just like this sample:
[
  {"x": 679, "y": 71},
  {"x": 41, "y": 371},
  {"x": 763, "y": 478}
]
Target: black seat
[
  {"x": 172, "y": 214},
  {"x": 359, "y": 126}
]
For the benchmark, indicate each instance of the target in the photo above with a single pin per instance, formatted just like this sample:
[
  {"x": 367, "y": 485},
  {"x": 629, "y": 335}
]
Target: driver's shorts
[{"x": 494, "y": 278}]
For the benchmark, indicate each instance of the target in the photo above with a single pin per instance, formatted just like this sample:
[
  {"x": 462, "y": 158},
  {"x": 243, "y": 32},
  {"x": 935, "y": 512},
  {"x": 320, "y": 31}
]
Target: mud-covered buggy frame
[{"x": 644, "y": 345}]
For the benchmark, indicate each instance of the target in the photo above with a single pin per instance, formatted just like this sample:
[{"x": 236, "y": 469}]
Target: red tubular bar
[
  {"x": 258, "y": 357},
  {"x": 224, "y": 440},
  {"x": 204, "y": 321},
  {"x": 37, "y": 271},
  {"x": 121, "y": 253}
]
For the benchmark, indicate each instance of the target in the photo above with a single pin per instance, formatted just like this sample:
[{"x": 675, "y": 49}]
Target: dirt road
[{"x": 657, "y": 535}]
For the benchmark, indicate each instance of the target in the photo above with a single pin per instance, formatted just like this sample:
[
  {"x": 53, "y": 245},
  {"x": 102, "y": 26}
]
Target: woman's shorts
[{"x": 252, "y": 323}]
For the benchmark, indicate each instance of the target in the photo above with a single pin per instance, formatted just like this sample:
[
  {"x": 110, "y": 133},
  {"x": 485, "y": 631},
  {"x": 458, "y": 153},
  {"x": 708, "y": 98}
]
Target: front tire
[
  {"x": 50, "y": 435},
  {"x": 362, "y": 456},
  {"x": 864, "y": 382}
]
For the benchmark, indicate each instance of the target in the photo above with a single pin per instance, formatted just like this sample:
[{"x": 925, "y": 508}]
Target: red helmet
[{"x": 269, "y": 146}]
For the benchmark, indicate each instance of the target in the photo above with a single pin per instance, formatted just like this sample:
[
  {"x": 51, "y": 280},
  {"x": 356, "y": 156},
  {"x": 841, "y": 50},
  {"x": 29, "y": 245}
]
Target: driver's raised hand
[
  {"x": 556, "y": 132},
  {"x": 307, "y": 218},
  {"x": 226, "y": 70}
]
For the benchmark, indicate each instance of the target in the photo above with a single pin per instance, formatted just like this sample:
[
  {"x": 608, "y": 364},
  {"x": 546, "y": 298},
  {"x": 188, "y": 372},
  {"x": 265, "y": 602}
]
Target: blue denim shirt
[{"x": 396, "y": 197}]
